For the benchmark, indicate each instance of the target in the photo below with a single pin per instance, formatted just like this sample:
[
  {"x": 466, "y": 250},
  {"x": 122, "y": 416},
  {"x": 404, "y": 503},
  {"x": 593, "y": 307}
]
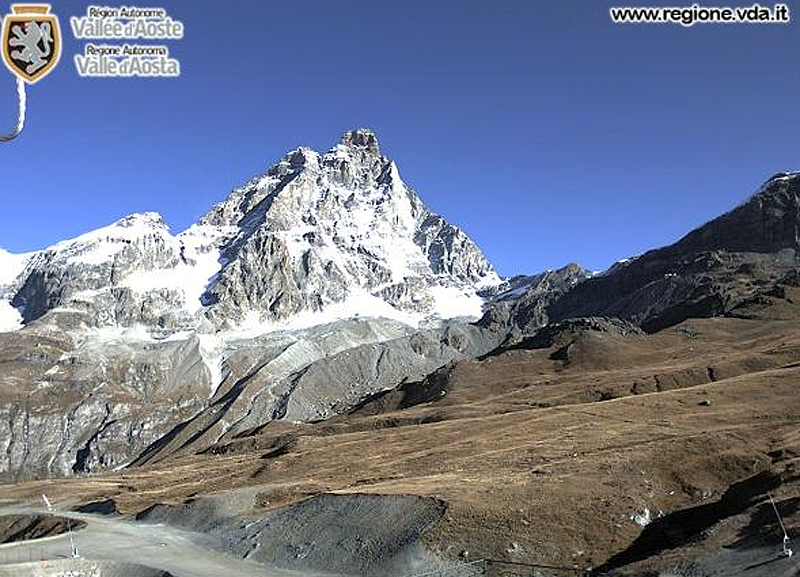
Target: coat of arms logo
[{"x": 31, "y": 41}]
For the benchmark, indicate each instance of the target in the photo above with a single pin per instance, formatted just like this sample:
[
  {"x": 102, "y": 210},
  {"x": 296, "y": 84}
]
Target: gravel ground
[{"x": 180, "y": 553}]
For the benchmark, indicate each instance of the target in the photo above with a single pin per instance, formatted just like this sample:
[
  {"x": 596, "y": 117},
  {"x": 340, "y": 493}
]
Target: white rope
[
  {"x": 20, "y": 116},
  {"x": 786, "y": 549}
]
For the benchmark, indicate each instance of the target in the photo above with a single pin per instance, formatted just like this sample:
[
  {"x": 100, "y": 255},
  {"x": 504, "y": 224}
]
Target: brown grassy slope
[{"x": 538, "y": 459}]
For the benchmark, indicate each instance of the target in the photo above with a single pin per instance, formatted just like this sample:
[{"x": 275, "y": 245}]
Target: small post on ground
[{"x": 73, "y": 547}]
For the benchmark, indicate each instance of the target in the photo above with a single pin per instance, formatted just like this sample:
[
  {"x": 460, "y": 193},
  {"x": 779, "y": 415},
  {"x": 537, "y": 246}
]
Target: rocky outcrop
[
  {"x": 83, "y": 406},
  {"x": 560, "y": 332},
  {"x": 712, "y": 271},
  {"x": 521, "y": 306}
]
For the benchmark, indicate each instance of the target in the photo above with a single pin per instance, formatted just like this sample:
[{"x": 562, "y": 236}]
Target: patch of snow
[
  {"x": 449, "y": 302},
  {"x": 620, "y": 263},
  {"x": 340, "y": 152},
  {"x": 120, "y": 335},
  {"x": 265, "y": 181},
  {"x": 360, "y": 304},
  {"x": 492, "y": 279},
  {"x": 96, "y": 254},
  {"x": 201, "y": 263},
  {"x": 10, "y": 318},
  {"x": 453, "y": 302},
  {"x": 211, "y": 351},
  {"x": 90, "y": 293},
  {"x": 642, "y": 519},
  {"x": 12, "y": 265},
  {"x": 294, "y": 241},
  {"x": 514, "y": 293},
  {"x": 101, "y": 245},
  {"x": 188, "y": 280}
]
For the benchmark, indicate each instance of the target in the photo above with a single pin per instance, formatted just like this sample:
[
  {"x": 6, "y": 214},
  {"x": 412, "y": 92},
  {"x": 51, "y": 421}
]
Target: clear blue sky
[{"x": 547, "y": 133}]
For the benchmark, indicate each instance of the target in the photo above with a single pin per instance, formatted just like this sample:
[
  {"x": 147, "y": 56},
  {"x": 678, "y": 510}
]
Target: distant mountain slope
[{"x": 716, "y": 269}]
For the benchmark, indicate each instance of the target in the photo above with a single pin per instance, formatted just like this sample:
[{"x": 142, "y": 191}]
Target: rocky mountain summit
[
  {"x": 337, "y": 232},
  {"x": 341, "y": 227}
]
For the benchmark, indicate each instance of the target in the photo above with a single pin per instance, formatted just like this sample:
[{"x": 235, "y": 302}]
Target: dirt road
[{"x": 181, "y": 553}]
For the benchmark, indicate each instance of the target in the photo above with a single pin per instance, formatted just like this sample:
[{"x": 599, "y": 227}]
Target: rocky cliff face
[
  {"x": 340, "y": 227},
  {"x": 73, "y": 404},
  {"x": 314, "y": 285},
  {"x": 521, "y": 305},
  {"x": 133, "y": 272},
  {"x": 714, "y": 270}
]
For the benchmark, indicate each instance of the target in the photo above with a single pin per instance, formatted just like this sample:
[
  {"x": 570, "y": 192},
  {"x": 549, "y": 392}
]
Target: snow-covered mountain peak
[
  {"x": 335, "y": 224},
  {"x": 325, "y": 235},
  {"x": 11, "y": 265},
  {"x": 142, "y": 221},
  {"x": 295, "y": 161},
  {"x": 100, "y": 246},
  {"x": 361, "y": 139}
]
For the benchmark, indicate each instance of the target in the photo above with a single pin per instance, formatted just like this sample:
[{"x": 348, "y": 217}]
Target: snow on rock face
[
  {"x": 101, "y": 245},
  {"x": 131, "y": 272},
  {"x": 317, "y": 237},
  {"x": 10, "y": 318},
  {"x": 317, "y": 230},
  {"x": 189, "y": 277},
  {"x": 11, "y": 267}
]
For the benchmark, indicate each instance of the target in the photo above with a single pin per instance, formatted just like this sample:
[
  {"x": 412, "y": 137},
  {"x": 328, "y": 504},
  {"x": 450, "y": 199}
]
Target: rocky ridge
[{"x": 337, "y": 232}]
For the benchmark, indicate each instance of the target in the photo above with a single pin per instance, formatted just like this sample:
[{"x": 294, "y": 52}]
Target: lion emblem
[{"x": 31, "y": 41}]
